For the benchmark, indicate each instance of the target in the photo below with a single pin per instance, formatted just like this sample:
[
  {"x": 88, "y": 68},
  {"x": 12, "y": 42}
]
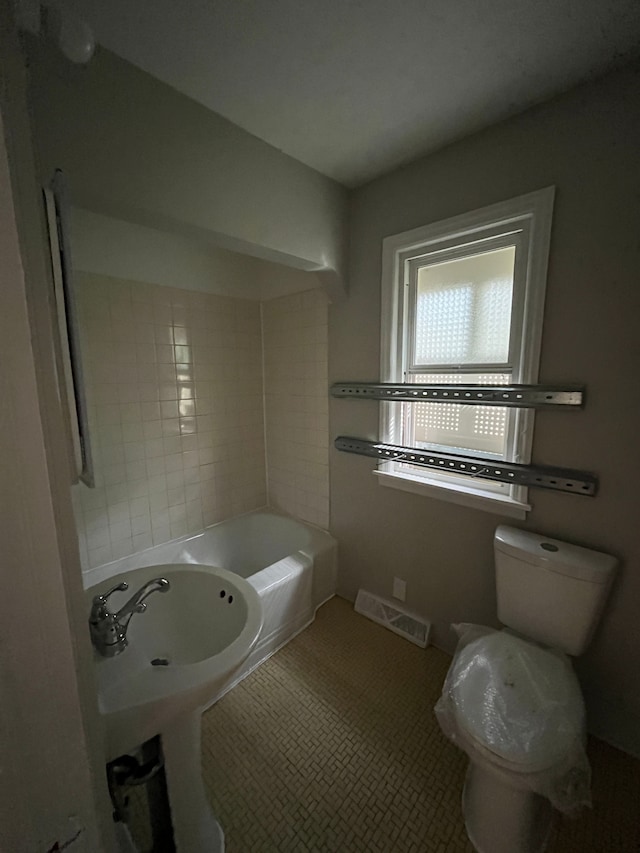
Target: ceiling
[{"x": 354, "y": 88}]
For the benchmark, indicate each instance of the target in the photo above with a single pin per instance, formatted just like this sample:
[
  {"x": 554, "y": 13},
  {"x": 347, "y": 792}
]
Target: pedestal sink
[{"x": 180, "y": 651}]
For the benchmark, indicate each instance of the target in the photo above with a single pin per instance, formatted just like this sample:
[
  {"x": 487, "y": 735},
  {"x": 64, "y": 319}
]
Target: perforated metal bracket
[
  {"x": 521, "y": 396},
  {"x": 559, "y": 479}
]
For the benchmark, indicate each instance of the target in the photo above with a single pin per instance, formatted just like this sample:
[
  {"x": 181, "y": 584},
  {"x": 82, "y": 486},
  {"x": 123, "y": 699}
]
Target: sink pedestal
[{"x": 195, "y": 829}]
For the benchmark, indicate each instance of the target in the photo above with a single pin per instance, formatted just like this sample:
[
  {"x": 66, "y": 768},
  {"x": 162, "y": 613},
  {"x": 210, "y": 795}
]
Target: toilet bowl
[
  {"x": 511, "y": 699},
  {"x": 501, "y": 817},
  {"x": 533, "y": 736}
]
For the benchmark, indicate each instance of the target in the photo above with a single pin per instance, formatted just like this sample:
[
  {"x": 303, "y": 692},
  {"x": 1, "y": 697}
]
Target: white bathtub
[{"x": 292, "y": 565}]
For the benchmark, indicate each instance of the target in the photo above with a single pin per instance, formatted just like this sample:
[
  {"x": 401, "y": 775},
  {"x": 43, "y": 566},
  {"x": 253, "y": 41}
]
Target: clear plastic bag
[{"x": 522, "y": 703}]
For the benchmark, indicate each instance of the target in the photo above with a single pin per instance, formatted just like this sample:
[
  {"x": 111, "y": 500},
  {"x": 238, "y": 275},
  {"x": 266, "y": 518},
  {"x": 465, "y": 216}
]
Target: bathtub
[{"x": 292, "y": 565}]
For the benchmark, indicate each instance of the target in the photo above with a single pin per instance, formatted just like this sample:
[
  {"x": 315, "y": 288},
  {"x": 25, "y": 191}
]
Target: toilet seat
[{"x": 518, "y": 703}]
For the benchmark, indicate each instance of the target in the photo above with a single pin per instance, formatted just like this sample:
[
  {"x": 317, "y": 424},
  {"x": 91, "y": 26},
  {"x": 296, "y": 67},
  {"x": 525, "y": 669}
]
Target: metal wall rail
[
  {"x": 522, "y": 396},
  {"x": 560, "y": 479}
]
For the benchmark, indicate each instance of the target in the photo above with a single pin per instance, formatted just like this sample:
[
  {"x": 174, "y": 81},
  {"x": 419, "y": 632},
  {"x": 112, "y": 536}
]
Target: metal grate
[
  {"x": 400, "y": 621},
  {"x": 559, "y": 479}
]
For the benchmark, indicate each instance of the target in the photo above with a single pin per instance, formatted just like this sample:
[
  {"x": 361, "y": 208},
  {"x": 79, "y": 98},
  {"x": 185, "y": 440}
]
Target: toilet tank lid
[{"x": 555, "y": 555}]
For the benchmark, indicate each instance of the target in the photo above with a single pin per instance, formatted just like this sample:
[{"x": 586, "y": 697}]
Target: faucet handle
[
  {"x": 102, "y": 599},
  {"x": 99, "y": 603}
]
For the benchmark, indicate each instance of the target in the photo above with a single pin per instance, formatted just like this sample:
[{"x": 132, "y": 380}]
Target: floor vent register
[{"x": 388, "y": 614}]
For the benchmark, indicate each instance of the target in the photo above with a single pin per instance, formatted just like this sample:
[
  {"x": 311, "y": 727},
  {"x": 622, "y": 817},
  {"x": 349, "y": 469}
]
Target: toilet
[{"x": 515, "y": 705}]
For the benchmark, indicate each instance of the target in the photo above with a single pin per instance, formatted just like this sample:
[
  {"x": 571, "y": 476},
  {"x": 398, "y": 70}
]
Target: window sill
[{"x": 497, "y": 504}]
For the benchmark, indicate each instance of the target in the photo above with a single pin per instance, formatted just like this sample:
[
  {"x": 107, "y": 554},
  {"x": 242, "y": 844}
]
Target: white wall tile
[
  {"x": 140, "y": 524},
  {"x": 122, "y": 548},
  {"x": 141, "y": 541},
  {"x": 98, "y": 556},
  {"x": 296, "y": 406},
  {"x": 139, "y": 346},
  {"x": 178, "y": 411}
]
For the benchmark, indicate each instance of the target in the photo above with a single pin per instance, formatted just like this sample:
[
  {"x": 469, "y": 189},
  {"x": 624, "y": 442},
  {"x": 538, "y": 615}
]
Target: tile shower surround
[
  {"x": 174, "y": 384},
  {"x": 296, "y": 405}
]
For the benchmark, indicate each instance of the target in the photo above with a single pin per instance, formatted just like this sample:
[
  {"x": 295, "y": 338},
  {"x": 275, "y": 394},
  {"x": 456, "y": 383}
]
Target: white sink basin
[{"x": 181, "y": 649}]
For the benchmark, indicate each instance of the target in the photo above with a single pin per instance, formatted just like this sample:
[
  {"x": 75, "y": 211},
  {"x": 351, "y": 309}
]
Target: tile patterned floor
[{"x": 332, "y": 746}]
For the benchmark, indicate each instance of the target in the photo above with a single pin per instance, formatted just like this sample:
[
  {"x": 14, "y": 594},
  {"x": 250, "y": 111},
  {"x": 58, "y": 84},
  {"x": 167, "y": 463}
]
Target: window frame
[{"x": 527, "y": 217}]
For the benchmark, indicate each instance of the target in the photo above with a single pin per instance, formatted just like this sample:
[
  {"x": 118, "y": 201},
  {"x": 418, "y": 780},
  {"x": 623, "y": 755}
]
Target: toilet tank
[{"x": 549, "y": 590}]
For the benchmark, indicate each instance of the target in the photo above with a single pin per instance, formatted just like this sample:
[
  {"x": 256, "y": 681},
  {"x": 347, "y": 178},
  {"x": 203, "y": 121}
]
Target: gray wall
[
  {"x": 136, "y": 149},
  {"x": 49, "y": 715},
  {"x": 586, "y": 143}
]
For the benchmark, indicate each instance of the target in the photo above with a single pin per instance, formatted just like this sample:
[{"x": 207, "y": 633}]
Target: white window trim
[{"x": 533, "y": 209}]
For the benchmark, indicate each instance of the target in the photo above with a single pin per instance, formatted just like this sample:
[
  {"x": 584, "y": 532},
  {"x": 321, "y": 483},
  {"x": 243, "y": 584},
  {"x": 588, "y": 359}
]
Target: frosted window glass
[
  {"x": 463, "y": 309},
  {"x": 463, "y": 428}
]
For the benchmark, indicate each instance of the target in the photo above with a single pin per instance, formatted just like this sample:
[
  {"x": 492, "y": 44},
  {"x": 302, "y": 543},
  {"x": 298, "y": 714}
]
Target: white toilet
[{"x": 517, "y": 706}]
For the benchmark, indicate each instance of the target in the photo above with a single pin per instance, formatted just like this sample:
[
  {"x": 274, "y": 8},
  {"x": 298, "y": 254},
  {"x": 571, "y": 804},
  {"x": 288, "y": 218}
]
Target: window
[{"x": 462, "y": 302}]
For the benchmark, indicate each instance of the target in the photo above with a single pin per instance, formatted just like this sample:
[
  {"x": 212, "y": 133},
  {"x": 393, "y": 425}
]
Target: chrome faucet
[{"x": 109, "y": 630}]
